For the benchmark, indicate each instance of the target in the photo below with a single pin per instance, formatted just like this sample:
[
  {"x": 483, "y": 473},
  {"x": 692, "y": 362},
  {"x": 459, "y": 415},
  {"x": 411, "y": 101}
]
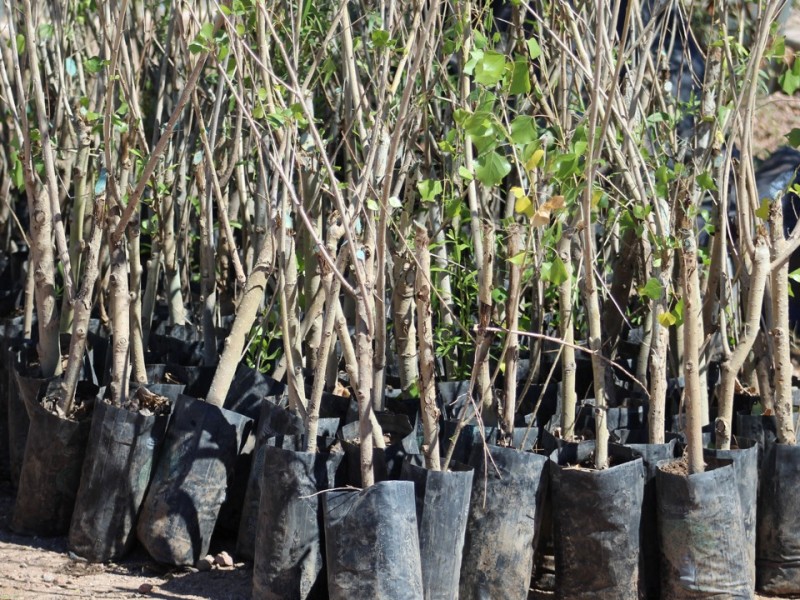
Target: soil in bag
[
  {"x": 442, "y": 503},
  {"x": 190, "y": 482},
  {"x": 596, "y": 518},
  {"x": 401, "y": 441},
  {"x": 703, "y": 544},
  {"x": 22, "y": 381},
  {"x": 120, "y": 455},
  {"x": 371, "y": 543},
  {"x": 289, "y": 543},
  {"x": 508, "y": 491},
  {"x": 649, "y": 560},
  {"x": 274, "y": 424},
  {"x": 778, "y": 545},
  {"x": 744, "y": 454},
  {"x": 51, "y": 470}
]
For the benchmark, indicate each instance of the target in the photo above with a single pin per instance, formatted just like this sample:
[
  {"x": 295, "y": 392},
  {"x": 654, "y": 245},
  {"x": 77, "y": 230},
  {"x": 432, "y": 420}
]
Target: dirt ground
[{"x": 42, "y": 569}]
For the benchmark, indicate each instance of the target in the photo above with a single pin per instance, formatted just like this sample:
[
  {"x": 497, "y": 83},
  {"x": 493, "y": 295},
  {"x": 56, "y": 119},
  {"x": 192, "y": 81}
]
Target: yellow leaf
[
  {"x": 666, "y": 319},
  {"x": 517, "y": 192},
  {"x": 596, "y": 195},
  {"x": 535, "y": 159},
  {"x": 524, "y": 206}
]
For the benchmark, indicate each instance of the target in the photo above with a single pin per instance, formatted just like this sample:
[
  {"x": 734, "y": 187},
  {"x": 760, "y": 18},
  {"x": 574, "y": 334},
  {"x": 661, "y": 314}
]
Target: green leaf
[
  {"x": 465, "y": 173},
  {"x": 429, "y": 189},
  {"x": 490, "y": 68},
  {"x": 790, "y": 80},
  {"x": 206, "y": 31},
  {"x": 196, "y": 47},
  {"x": 558, "y": 272},
  {"x": 45, "y": 31},
  {"x": 394, "y": 202},
  {"x": 492, "y": 168},
  {"x": 533, "y": 48},
  {"x": 94, "y": 64},
  {"x": 20, "y": 43},
  {"x": 517, "y": 259},
  {"x": 652, "y": 289},
  {"x": 523, "y": 130},
  {"x": 762, "y": 212},
  {"x": 520, "y": 79},
  {"x": 380, "y": 38},
  {"x": 795, "y": 276},
  {"x": 372, "y": 204},
  {"x": 706, "y": 182},
  {"x": 794, "y": 137}
]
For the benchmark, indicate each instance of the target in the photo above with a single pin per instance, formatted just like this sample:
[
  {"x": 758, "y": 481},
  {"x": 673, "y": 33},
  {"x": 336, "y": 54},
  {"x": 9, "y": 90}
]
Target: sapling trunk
[
  {"x": 615, "y": 306},
  {"x": 364, "y": 357},
  {"x": 484, "y": 319},
  {"x": 405, "y": 330},
  {"x": 659, "y": 351},
  {"x": 246, "y": 313},
  {"x": 569, "y": 398},
  {"x": 351, "y": 366},
  {"x": 733, "y": 362},
  {"x": 780, "y": 330},
  {"x": 692, "y": 339},
  {"x": 331, "y": 285},
  {"x": 763, "y": 366},
  {"x": 291, "y": 350},
  {"x": 83, "y": 307},
  {"x": 77, "y": 216},
  {"x": 427, "y": 397},
  {"x": 174, "y": 292},
  {"x": 120, "y": 317},
  {"x": 512, "y": 320}
]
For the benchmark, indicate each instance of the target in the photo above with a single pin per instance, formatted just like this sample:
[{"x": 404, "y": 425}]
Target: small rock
[
  {"x": 205, "y": 563},
  {"x": 223, "y": 559},
  {"x": 48, "y": 578},
  {"x": 145, "y": 588}
]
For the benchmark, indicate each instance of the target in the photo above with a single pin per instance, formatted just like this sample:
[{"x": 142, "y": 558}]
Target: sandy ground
[{"x": 41, "y": 569}]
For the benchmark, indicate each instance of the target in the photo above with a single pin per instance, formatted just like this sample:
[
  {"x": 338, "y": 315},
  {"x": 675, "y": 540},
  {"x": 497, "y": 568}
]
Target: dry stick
[
  {"x": 364, "y": 350},
  {"x": 222, "y": 208},
  {"x": 83, "y": 307},
  {"x": 567, "y": 330},
  {"x": 732, "y": 363},
  {"x": 163, "y": 141},
  {"x": 207, "y": 267},
  {"x": 427, "y": 397},
  {"x": 331, "y": 286},
  {"x": 51, "y": 179},
  {"x": 328, "y": 169},
  {"x": 512, "y": 340},
  {"x": 780, "y": 330},
  {"x": 40, "y": 269},
  {"x": 245, "y": 316},
  {"x": 465, "y": 17}
]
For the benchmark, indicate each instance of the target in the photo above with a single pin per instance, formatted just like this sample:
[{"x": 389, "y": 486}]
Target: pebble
[
  {"x": 205, "y": 563},
  {"x": 145, "y": 588},
  {"x": 48, "y": 578},
  {"x": 223, "y": 559}
]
